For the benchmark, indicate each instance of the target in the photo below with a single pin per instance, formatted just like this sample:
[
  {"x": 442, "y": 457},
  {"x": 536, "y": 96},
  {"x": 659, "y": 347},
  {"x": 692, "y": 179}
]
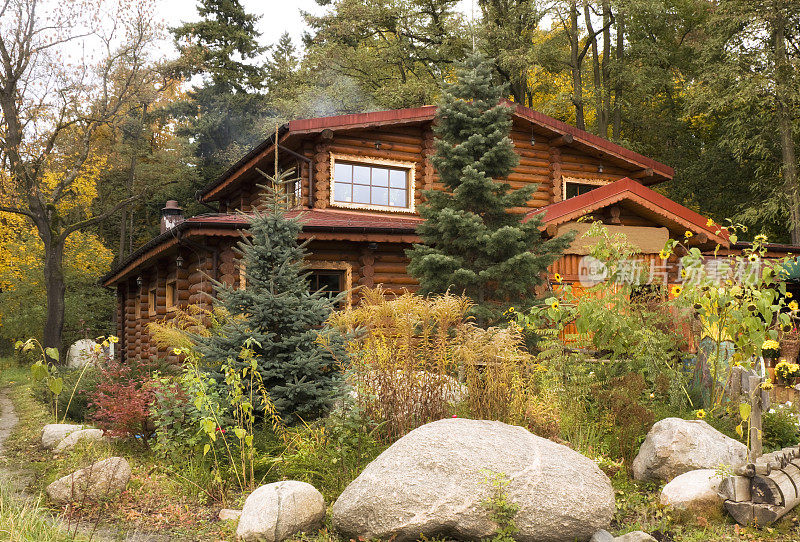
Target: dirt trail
[
  {"x": 8, "y": 417},
  {"x": 18, "y": 482}
]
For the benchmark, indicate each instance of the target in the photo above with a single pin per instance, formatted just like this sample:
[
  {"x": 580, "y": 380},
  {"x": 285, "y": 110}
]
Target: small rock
[
  {"x": 97, "y": 481},
  {"x": 227, "y": 514},
  {"x": 53, "y": 433},
  {"x": 674, "y": 446},
  {"x": 602, "y": 536},
  {"x": 69, "y": 442},
  {"x": 695, "y": 492},
  {"x": 635, "y": 536},
  {"x": 276, "y": 511}
]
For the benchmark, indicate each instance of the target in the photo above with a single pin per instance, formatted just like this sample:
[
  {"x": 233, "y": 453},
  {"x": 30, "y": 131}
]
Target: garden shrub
[
  {"x": 330, "y": 453},
  {"x": 85, "y": 387},
  {"x": 780, "y": 427},
  {"x": 408, "y": 354},
  {"x": 122, "y": 400}
]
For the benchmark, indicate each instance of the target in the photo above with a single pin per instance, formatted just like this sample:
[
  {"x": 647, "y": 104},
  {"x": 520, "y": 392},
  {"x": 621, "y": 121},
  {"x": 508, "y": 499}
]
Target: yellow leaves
[{"x": 80, "y": 192}]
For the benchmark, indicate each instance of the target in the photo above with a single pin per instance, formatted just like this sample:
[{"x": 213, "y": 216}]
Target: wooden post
[{"x": 755, "y": 395}]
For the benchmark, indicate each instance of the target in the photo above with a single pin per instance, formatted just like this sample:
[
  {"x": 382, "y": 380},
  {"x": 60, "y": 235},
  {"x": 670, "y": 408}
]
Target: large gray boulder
[
  {"x": 99, "y": 480},
  {"x": 674, "y": 446},
  {"x": 80, "y": 353},
  {"x": 436, "y": 481},
  {"x": 277, "y": 511},
  {"x": 694, "y": 492},
  {"x": 53, "y": 433},
  {"x": 72, "y": 439}
]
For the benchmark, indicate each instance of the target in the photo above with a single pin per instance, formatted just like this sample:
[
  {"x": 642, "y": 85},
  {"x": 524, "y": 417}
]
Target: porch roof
[
  {"x": 323, "y": 223},
  {"x": 645, "y": 201}
]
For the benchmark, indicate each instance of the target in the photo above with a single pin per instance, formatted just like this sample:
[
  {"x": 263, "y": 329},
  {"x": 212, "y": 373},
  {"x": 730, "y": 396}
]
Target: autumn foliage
[{"x": 123, "y": 398}]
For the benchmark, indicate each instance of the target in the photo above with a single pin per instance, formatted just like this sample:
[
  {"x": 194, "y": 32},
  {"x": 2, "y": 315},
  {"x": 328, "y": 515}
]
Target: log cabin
[{"x": 360, "y": 178}]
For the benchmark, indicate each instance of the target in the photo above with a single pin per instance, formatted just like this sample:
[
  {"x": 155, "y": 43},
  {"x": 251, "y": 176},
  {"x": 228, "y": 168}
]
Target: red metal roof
[
  {"x": 325, "y": 219},
  {"x": 628, "y": 189},
  {"x": 581, "y": 138}
]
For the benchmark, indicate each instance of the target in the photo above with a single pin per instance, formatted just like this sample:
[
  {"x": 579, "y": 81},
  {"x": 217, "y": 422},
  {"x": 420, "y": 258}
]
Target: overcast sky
[{"x": 278, "y": 16}]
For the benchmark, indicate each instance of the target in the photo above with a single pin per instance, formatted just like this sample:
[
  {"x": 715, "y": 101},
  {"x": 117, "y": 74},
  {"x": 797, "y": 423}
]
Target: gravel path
[{"x": 8, "y": 417}]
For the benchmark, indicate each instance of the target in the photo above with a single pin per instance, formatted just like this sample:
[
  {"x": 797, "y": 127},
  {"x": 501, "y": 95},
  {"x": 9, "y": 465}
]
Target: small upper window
[
  {"x": 372, "y": 185},
  {"x": 577, "y": 189}
]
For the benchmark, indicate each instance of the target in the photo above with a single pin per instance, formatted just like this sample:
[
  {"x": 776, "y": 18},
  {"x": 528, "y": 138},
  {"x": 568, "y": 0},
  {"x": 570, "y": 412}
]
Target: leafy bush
[
  {"x": 122, "y": 400},
  {"x": 408, "y": 355},
  {"x": 780, "y": 427},
  {"x": 330, "y": 453},
  {"x": 176, "y": 420},
  {"x": 85, "y": 387}
]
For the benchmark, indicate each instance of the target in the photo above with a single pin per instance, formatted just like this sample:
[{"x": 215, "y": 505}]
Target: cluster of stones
[
  {"x": 436, "y": 481},
  {"x": 97, "y": 481},
  {"x": 688, "y": 455}
]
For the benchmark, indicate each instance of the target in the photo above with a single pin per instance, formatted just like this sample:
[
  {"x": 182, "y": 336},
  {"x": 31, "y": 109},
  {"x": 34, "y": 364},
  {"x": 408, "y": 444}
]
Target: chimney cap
[{"x": 172, "y": 204}]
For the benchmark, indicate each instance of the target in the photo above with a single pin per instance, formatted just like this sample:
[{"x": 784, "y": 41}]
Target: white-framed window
[
  {"x": 372, "y": 183},
  {"x": 577, "y": 186}
]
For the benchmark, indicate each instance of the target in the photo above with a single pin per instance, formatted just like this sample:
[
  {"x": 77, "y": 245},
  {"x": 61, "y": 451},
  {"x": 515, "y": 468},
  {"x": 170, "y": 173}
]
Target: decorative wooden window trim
[
  {"x": 172, "y": 295},
  {"x": 315, "y": 265},
  {"x": 151, "y": 301},
  {"x": 579, "y": 180},
  {"x": 410, "y": 168}
]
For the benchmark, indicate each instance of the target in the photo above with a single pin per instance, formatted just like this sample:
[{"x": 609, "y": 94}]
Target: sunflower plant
[{"x": 744, "y": 304}]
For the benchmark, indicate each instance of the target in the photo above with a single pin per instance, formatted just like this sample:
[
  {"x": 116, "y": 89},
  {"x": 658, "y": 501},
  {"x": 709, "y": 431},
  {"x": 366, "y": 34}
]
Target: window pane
[
  {"x": 398, "y": 198},
  {"x": 343, "y": 172},
  {"x": 361, "y": 174},
  {"x": 342, "y": 192},
  {"x": 360, "y": 193},
  {"x": 380, "y": 195},
  {"x": 397, "y": 178},
  {"x": 380, "y": 177}
]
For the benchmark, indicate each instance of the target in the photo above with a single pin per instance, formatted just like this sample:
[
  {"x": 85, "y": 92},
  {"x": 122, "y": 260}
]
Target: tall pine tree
[
  {"x": 224, "y": 114},
  {"x": 278, "y": 311},
  {"x": 471, "y": 243}
]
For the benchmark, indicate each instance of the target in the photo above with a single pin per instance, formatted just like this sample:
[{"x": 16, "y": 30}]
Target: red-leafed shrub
[{"x": 123, "y": 398}]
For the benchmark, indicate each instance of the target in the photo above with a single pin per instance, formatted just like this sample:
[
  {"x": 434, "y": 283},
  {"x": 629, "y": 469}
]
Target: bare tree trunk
[
  {"x": 788, "y": 155},
  {"x": 616, "y": 129},
  {"x": 55, "y": 289},
  {"x": 602, "y": 122},
  {"x": 575, "y": 64},
  {"x": 604, "y": 67}
]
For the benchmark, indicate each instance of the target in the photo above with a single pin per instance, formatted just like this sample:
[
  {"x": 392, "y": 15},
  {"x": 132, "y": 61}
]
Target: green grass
[{"x": 27, "y": 521}]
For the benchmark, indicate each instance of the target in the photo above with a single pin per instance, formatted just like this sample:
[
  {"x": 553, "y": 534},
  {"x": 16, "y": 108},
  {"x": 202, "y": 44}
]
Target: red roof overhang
[
  {"x": 553, "y": 127},
  {"x": 323, "y": 224},
  {"x": 627, "y": 190}
]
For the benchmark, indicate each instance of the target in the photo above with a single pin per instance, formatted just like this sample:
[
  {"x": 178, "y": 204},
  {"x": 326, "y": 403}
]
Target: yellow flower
[
  {"x": 788, "y": 295},
  {"x": 766, "y": 385},
  {"x": 709, "y": 223},
  {"x": 753, "y": 257},
  {"x": 554, "y": 305},
  {"x": 558, "y": 278},
  {"x": 769, "y": 344},
  {"x": 700, "y": 414},
  {"x": 652, "y": 396},
  {"x": 511, "y": 309},
  {"x": 676, "y": 290},
  {"x": 688, "y": 234},
  {"x": 663, "y": 254},
  {"x": 792, "y": 306},
  {"x": 113, "y": 339},
  {"x": 98, "y": 349}
]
